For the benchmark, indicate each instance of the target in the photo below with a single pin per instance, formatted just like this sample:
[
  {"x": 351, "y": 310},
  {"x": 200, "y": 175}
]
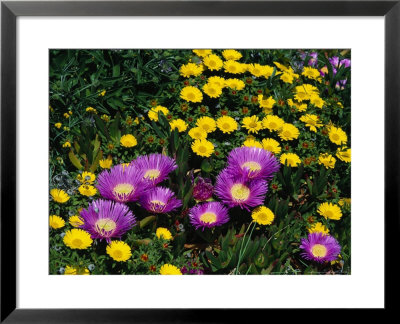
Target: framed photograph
[{"x": 229, "y": 144}]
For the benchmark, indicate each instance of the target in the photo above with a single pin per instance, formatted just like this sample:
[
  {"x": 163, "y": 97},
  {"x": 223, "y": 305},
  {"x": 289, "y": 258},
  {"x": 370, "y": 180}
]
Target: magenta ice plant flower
[
  {"x": 105, "y": 219},
  {"x": 160, "y": 200}
]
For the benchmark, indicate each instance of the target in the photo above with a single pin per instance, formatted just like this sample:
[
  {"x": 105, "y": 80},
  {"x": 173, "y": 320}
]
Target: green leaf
[
  {"x": 146, "y": 221},
  {"x": 74, "y": 160},
  {"x": 96, "y": 162},
  {"x": 101, "y": 126},
  {"x": 116, "y": 70},
  {"x": 114, "y": 128}
]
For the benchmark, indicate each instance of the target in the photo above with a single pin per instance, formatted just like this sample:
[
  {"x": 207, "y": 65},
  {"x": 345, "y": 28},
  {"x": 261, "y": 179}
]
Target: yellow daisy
[
  {"x": 202, "y": 52},
  {"x": 77, "y": 239},
  {"x": 260, "y": 70},
  {"x": 169, "y": 269},
  {"x": 288, "y": 132},
  {"x": 233, "y": 67},
  {"x": 212, "y": 90},
  {"x": 128, "y": 140},
  {"x": 203, "y": 147},
  {"x": 252, "y": 124},
  {"x": 218, "y": 81},
  {"x": 327, "y": 160},
  {"x": 227, "y": 124},
  {"x": 191, "y": 94},
  {"x": 311, "y": 73},
  {"x": 105, "y": 163},
  {"x": 263, "y": 215},
  {"x": 267, "y": 103},
  {"x": 271, "y": 145},
  {"x": 291, "y": 159},
  {"x": 179, "y": 124},
  {"x": 207, "y": 124},
  {"x": 59, "y": 195},
  {"x": 305, "y": 91},
  {"x": 86, "y": 177},
  {"x": 153, "y": 112},
  {"x": 311, "y": 121},
  {"x": 91, "y": 110},
  {"x": 191, "y": 69},
  {"x": 213, "y": 62},
  {"x": 344, "y": 154},
  {"x": 164, "y": 233},
  {"x": 119, "y": 251},
  {"x": 70, "y": 270},
  {"x": 231, "y": 54},
  {"x": 198, "y": 133},
  {"x": 318, "y": 228},
  {"x": 299, "y": 106},
  {"x": 251, "y": 142},
  {"x": 329, "y": 210},
  {"x": 57, "y": 125},
  {"x": 235, "y": 84},
  {"x": 273, "y": 122},
  {"x": 76, "y": 221},
  {"x": 87, "y": 190},
  {"x": 287, "y": 77},
  {"x": 56, "y": 222},
  {"x": 337, "y": 135},
  {"x": 317, "y": 101},
  {"x": 66, "y": 144}
]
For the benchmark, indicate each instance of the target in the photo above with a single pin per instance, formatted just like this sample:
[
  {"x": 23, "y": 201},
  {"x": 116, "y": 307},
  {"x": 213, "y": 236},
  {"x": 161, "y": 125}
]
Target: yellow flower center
[
  {"x": 157, "y": 202},
  {"x": 253, "y": 166},
  {"x": 329, "y": 213},
  {"x": 205, "y": 127},
  {"x": 286, "y": 134},
  {"x": 117, "y": 254},
  {"x": 212, "y": 63},
  {"x": 202, "y": 149},
  {"x": 335, "y": 137},
  {"x": 253, "y": 124},
  {"x": 290, "y": 162},
  {"x": 208, "y": 218},
  {"x": 191, "y": 96},
  {"x": 319, "y": 250},
  {"x": 262, "y": 217},
  {"x": 240, "y": 192},
  {"x": 272, "y": 125},
  {"x": 77, "y": 242},
  {"x": 152, "y": 174},
  {"x": 105, "y": 225},
  {"x": 122, "y": 190}
]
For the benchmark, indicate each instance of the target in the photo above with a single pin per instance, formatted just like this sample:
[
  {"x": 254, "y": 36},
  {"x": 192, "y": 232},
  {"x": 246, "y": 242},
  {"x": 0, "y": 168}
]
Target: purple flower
[
  {"x": 155, "y": 167},
  {"x": 105, "y": 219},
  {"x": 341, "y": 84},
  {"x": 203, "y": 189},
  {"x": 253, "y": 162},
  {"x": 184, "y": 270},
  {"x": 120, "y": 183},
  {"x": 320, "y": 247},
  {"x": 334, "y": 61},
  {"x": 313, "y": 60},
  {"x": 346, "y": 63},
  {"x": 208, "y": 214},
  {"x": 159, "y": 200},
  {"x": 237, "y": 190}
]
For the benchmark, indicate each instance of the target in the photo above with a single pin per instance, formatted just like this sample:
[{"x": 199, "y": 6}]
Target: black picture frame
[{"x": 10, "y": 10}]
